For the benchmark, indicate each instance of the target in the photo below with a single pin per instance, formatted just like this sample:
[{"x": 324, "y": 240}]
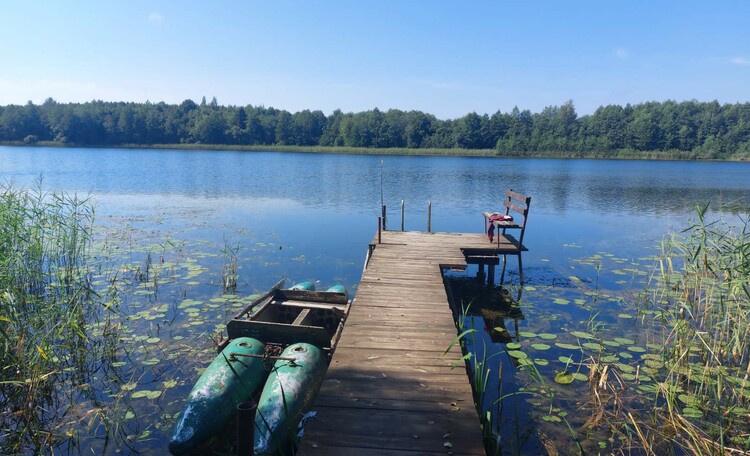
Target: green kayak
[{"x": 229, "y": 380}]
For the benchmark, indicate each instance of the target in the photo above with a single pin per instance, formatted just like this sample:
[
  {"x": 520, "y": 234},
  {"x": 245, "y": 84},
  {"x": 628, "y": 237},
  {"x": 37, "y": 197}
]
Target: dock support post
[
  {"x": 490, "y": 275},
  {"x": 380, "y": 230},
  {"x": 429, "y": 216},
  {"x": 402, "y": 215},
  {"x": 383, "y": 209},
  {"x": 246, "y": 428}
]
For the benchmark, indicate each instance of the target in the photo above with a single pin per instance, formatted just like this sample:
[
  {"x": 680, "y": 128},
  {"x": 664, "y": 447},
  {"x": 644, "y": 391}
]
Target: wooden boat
[{"x": 298, "y": 329}]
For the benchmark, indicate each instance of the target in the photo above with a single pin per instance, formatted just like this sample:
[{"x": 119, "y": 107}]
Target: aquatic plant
[{"x": 45, "y": 297}]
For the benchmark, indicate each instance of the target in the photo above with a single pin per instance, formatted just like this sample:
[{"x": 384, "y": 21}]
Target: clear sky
[{"x": 447, "y": 58}]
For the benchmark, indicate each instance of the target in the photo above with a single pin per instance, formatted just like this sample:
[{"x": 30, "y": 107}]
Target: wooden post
[
  {"x": 429, "y": 216},
  {"x": 383, "y": 208},
  {"x": 380, "y": 230},
  {"x": 402, "y": 215},
  {"x": 246, "y": 428}
]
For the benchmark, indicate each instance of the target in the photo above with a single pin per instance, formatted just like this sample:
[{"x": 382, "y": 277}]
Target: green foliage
[{"x": 686, "y": 130}]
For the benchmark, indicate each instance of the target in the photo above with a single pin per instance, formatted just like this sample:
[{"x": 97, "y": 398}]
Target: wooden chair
[{"x": 516, "y": 206}]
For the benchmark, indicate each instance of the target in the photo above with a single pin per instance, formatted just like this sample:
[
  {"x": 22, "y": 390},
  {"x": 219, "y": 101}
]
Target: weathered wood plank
[{"x": 390, "y": 388}]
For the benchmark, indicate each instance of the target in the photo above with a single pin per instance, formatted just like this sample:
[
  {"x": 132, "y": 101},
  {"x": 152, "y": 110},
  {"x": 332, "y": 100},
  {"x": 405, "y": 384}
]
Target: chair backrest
[{"x": 520, "y": 204}]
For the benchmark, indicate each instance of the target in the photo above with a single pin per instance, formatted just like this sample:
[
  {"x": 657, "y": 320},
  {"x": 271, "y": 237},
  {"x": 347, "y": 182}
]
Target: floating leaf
[
  {"x": 592, "y": 346},
  {"x": 624, "y": 315},
  {"x": 610, "y": 358},
  {"x": 636, "y": 349},
  {"x": 146, "y": 393},
  {"x": 128, "y": 386},
  {"x": 517, "y": 354},
  {"x": 567, "y": 346},
  {"x": 527, "y": 334},
  {"x": 564, "y": 378},
  {"x": 150, "y": 361},
  {"x": 540, "y": 346},
  {"x": 582, "y": 335},
  {"x": 691, "y": 412},
  {"x": 561, "y": 301},
  {"x": 548, "y": 336},
  {"x": 153, "y": 340},
  {"x": 566, "y": 359},
  {"x": 553, "y": 418},
  {"x": 513, "y": 345},
  {"x": 580, "y": 377},
  {"x": 624, "y": 341},
  {"x": 611, "y": 343},
  {"x": 541, "y": 362}
]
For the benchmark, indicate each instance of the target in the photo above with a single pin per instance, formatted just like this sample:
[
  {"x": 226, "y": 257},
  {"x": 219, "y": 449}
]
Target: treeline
[{"x": 690, "y": 129}]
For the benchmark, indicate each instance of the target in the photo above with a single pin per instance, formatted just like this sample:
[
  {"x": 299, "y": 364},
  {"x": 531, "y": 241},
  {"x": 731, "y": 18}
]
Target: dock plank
[{"x": 390, "y": 388}]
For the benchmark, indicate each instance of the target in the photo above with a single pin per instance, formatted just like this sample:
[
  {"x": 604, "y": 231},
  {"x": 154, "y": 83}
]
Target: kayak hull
[
  {"x": 229, "y": 380},
  {"x": 289, "y": 391}
]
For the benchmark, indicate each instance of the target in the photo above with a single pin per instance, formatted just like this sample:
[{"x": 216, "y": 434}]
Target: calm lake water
[{"x": 311, "y": 216}]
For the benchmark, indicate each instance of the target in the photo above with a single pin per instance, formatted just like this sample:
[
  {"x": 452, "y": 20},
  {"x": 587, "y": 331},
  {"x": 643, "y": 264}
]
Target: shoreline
[{"x": 399, "y": 151}]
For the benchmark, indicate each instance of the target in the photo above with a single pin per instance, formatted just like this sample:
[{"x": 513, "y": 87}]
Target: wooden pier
[{"x": 390, "y": 390}]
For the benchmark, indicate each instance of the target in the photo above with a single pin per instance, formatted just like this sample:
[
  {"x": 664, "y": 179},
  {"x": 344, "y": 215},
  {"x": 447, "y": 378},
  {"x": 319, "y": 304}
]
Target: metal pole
[
  {"x": 429, "y": 216},
  {"x": 246, "y": 428},
  {"x": 402, "y": 215},
  {"x": 380, "y": 230}
]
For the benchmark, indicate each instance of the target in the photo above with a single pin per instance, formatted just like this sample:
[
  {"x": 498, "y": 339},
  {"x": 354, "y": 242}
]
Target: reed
[
  {"x": 46, "y": 301},
  {"x": 699, "y": 402}
]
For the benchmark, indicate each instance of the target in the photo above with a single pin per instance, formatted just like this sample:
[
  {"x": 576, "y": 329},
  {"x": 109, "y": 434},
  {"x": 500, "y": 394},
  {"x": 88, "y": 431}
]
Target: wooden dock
[{"x": 390, "y": 390}]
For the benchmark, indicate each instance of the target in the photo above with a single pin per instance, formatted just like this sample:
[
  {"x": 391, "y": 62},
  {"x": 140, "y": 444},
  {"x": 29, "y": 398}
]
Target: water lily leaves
[
  {"x": 527, "y": 334},
  {"x": 540, "y": 346},
  {"x": 149, "y": 394},
  {"x": 150, "y": 361},
  {"x": 611, "y": 343},
  {"x": 153, "y": 340},
  {"x": 624, "y": 341},
  {"x": 582, "y": 335},
  {"x": 592, "y": 346},
  {"x": 548, "y": 336},
  {"x": 691, "y": 412},
  {"x": 564, "y": 378},
  {"x": 580, "y": 377},
  {"x": 517, "y": 354},
  {"x": 513, "y": 345},
  {"x": 130, "y": 386},
  {"x": 610, "y": 358},
  {"x": 541, "y": 362},
  {"x": 636, "y": 349},
  {"x": 566, "y": 359},
  {"x": 567, "y": 346},
  {"x": 552, "y": 418},
  {"x": 561, "y": 301}
]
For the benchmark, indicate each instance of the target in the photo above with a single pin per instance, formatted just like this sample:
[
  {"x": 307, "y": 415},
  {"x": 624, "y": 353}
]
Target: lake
[{"x": 186, "y": 215}]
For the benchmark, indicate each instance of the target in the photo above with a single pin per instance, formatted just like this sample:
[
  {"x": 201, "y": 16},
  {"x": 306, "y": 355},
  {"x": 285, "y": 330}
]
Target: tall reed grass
[{"x": 46, "y": 302}]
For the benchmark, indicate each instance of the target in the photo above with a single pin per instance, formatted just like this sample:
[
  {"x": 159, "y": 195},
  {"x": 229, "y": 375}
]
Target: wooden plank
[{"x": 389, "y": 379}]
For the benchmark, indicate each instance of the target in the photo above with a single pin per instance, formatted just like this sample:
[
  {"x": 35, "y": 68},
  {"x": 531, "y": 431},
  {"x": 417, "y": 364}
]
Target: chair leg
[{"x": 502, "y": 273}]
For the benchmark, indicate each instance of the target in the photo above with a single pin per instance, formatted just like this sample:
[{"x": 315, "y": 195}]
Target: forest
[{"x": 688, "y": 129}]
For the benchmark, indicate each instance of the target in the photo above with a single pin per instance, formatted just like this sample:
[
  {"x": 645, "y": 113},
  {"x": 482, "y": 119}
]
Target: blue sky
[{"x": 447, "y": 58}]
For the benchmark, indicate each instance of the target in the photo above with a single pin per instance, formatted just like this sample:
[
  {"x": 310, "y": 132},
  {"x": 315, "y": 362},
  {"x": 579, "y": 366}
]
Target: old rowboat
[{"x": 279, "y": 348}]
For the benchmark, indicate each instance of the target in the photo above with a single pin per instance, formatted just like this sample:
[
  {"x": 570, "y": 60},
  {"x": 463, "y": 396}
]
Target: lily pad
[
  {"x": 567, "y": 346},
  {"x": 540, "y": 346},
  {"x": 513, "y": 345},
  {"x": 564, "y": 378},
  {"x": 548, "y": 336},
  {"x": 517, "y": 354},
  {"x": 149, "y": 394},
  {"x": 582, "y": 335}
]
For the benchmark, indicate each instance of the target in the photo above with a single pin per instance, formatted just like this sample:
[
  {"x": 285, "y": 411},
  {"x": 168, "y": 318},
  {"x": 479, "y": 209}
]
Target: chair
[{"x": 519, "y": 205}]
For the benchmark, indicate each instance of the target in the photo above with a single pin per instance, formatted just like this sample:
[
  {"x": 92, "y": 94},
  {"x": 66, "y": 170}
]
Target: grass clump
[{"x": 46, "y": 302}]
